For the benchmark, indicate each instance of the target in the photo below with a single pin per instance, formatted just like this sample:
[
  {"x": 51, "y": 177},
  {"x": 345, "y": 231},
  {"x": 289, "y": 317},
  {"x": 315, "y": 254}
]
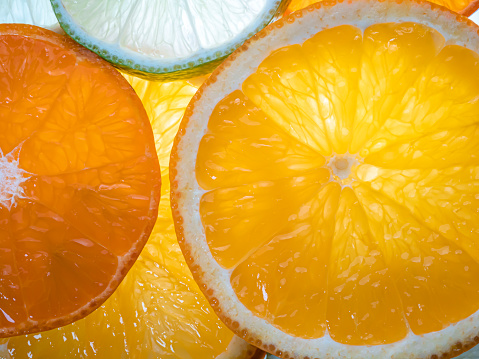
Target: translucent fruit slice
[
  {"x": 79, "y": 180},
  {"x": 324, "y": 184},
  {"x": 197, "y": 331},
  {"x": 158, "y": 311},
  {"x": 165, "y": 40},
  {"x": 463, "y": 7}
]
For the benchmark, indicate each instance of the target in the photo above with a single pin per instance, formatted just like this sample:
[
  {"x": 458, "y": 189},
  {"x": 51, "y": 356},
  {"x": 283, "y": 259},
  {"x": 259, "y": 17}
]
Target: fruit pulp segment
[
  {"x": 456, "y": 5},
  {"x": 77, "y": 136},
  {"x": 386, "y": 248},
  {"x": 19, "y": 115}
]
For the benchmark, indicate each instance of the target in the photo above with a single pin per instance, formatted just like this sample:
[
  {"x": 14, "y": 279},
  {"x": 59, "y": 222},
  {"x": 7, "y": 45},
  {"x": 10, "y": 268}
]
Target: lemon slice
[{"x": 164, "y": 39}]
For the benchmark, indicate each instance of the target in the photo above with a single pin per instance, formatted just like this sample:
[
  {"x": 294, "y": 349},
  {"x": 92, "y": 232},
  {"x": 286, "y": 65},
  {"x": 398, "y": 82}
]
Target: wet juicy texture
[
  {"x": 79, "y": 175},
  {"x": 455, "y": 5},
  {"x": 390, "y": 248},
  {"x": 158, "y": 310}
]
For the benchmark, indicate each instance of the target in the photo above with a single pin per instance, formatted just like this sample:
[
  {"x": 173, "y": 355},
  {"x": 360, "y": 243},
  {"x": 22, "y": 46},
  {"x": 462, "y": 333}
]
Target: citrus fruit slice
[
  {"x": 37, "y": 12},
  {"x": 295, "y": 5},
  {"x": 463, "y": 7},
  {"x": 157, "y": 311},
  {"x": 164, "y": 40},
  {"x": 324, "y": 183},
  {"x": 79, "y": 179}
]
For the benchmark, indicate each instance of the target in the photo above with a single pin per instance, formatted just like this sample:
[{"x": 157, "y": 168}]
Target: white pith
[
  {"x": 187, "y": 43},
  {"x": 361, "y": 15},
  {"x": 11, "y": 178},
  {"x": 342, "y": 166},
  {"x": 237, "y": 348}
]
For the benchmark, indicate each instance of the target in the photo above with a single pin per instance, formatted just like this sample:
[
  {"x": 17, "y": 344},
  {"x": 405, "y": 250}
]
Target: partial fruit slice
[
  {"x": 463, "y": 7},
  {"x": 33, "y": 12},
  {"x": 79, "y": 179},
  {"x": 158, "y": 311},
  {"x": 165, "y": 40},
  {"x": 324, "y": 183},
  {"x": 295, "y": 5}
]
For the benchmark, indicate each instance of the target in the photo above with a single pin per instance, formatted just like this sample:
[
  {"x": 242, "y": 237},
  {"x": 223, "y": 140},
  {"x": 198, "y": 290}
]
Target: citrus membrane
[
  {"x": 33, "y": 12},
  {"x": 324, "y": 183},
  {"x": 164, "y": 39}
]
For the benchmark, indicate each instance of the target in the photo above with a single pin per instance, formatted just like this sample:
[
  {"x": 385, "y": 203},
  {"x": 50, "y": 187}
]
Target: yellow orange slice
[
  {"x": 324, "y": 183},
  {"x": 80, "y": 180}
]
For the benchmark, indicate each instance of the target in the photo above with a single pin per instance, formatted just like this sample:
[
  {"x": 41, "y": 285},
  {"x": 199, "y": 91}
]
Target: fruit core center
[
  {"x": 11, "y": 179},
  {"x": 341, "y": 167}
]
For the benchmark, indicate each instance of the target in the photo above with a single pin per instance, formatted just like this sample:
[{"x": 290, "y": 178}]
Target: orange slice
[
  {"x": 295, "y": 5},
  {"x": 324, "y": 183},
  {"x": 158, "y": 311},
  {"x": 80, "y": 180},
  {"x": 463, "y": 7}
]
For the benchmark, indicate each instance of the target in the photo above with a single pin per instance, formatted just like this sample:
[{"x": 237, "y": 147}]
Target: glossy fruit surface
[
  {"x": 463, "y": 7},
  {"x": 324, "y": 183},
  {"x": 158, "y": 311},
  {"x": 79, "y": 179}
]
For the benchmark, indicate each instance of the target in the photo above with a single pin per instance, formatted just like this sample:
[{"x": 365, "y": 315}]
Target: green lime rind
[
  {"x": 182, "y": 70},
  {"x": 182, "y": 74}
]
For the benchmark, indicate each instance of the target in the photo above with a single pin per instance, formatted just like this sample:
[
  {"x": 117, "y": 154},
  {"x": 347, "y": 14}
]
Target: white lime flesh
[
  {"x": 163, "y": 36},
  {"x": 33, "y": 12}
]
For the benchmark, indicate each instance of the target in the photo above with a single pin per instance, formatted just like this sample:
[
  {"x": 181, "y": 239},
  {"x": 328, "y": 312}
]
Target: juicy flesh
[
  {"x": 388, "y": 247},
  {"x": 158, "y": 310},
  {"x": 76, "y": 150},
  {"x": 147, "y": 26},
  {"x": 39, "y": 13},
  {"x": 454, "y": 5}
]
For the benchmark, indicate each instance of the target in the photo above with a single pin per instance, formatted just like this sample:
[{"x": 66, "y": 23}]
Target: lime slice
[
  {"x": 33, "y": 12},
  {"x": 165, "y": 39}
]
